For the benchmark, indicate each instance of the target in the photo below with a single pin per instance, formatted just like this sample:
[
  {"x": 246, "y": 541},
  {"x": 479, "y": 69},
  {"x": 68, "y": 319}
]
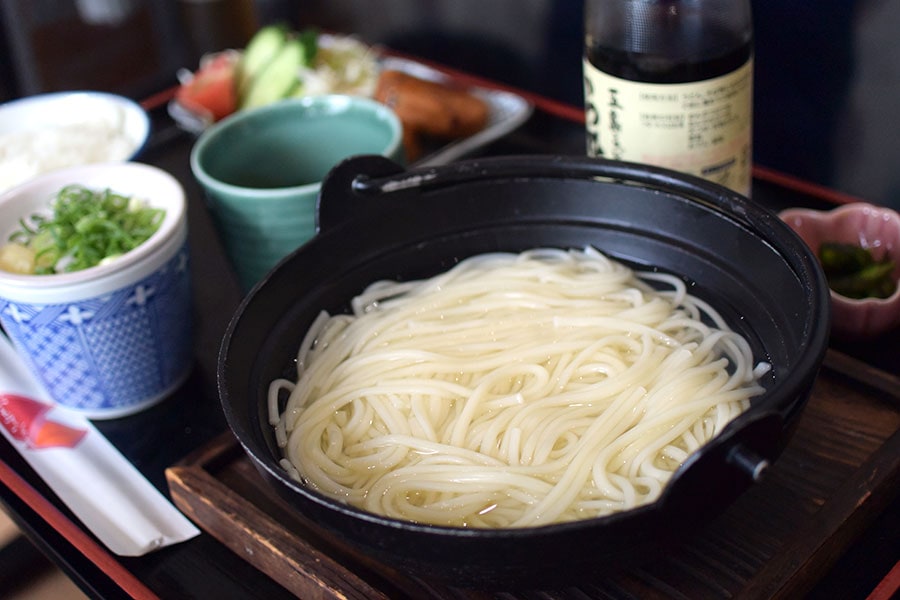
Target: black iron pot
[{"x": 378, "y": 221}]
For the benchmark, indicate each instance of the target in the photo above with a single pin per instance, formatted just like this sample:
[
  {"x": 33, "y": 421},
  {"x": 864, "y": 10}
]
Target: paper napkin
[{"x": 104, "y": 490}]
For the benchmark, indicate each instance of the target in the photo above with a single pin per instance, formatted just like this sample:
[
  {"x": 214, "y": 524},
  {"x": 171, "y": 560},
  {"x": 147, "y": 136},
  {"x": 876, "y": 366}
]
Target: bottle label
[{"x": 703, "y": 128}]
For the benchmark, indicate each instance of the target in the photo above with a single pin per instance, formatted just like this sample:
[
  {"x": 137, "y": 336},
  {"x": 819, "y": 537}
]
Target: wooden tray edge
[
  {"x": 819, "y": 545},
  {"x": 260, "y": 540}
]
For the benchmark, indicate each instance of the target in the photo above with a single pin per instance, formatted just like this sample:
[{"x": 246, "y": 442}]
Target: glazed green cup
[{"x": 262, "y": 169}]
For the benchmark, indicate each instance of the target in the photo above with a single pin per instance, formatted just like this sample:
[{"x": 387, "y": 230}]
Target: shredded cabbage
[{"x": 342, "y": 65}]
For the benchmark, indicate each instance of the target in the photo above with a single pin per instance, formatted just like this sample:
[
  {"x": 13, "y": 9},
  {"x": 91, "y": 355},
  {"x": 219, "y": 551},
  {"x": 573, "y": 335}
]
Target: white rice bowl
[{"x": 47, "y": 132}]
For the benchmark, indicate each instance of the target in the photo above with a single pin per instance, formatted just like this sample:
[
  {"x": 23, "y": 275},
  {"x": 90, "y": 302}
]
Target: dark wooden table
[{"x": 855, "y": 544}]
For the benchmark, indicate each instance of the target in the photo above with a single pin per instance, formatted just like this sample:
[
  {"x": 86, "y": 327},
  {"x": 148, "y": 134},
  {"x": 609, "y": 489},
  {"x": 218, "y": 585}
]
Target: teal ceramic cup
[{"x": 261, "y": 170}]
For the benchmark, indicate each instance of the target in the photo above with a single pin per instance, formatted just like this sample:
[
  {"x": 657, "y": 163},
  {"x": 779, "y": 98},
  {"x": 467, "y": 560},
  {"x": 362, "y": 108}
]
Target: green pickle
[{"x": 853, "y": 272}]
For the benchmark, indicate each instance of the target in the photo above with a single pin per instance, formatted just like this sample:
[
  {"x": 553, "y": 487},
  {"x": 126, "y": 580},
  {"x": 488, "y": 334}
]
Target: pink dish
[{"x": 875, "y": 228}]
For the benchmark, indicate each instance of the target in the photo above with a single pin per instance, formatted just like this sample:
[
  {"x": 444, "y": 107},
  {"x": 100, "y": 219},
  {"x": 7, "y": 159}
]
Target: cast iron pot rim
[{"x": 764, "y": 223}]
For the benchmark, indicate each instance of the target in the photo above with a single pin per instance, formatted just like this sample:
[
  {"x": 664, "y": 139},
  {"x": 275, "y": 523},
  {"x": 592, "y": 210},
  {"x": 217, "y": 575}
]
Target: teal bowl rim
[{"x": 341, "y": 101}]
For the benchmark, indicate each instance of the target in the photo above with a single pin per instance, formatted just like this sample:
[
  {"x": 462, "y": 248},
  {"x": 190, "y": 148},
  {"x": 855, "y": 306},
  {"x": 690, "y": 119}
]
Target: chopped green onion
[{"x": 87, "y": 227}]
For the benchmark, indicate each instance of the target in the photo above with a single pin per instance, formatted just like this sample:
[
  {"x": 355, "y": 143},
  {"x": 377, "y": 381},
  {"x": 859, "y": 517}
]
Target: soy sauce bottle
[{"x": 670, "y": 83}]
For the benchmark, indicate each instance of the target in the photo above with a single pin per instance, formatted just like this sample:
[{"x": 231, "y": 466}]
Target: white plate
[{"x": 506, "y": 112}]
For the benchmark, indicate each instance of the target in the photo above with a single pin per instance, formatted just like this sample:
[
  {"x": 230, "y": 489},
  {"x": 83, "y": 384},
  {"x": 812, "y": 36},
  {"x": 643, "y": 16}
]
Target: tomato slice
[{"x": 212, "y": 89}]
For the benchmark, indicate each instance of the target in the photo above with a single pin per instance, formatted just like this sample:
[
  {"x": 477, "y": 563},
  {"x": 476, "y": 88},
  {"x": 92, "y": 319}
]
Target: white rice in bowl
[{"x": 73, "y": 137}]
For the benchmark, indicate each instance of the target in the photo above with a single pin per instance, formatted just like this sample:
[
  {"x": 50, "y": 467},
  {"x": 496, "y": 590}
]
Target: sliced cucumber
[
  {"x": 262, "y": 48},
  {"x": 278, "y": 78}
]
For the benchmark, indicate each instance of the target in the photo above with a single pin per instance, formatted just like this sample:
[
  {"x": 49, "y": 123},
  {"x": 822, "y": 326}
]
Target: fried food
[{"x": 430, "y": 109}]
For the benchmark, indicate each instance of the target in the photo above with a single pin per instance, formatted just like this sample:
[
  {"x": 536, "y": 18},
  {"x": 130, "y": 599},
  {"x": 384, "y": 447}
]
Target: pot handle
[
  {"x": 339, "y": 199},
  {"x": 349, "y": 188},
  {"x": 539, "y": 166},
  {"x": 724, "y": 468}
]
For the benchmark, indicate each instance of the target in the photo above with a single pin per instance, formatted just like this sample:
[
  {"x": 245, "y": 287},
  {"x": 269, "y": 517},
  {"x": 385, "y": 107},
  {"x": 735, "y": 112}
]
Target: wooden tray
[{"x": 840, "y": 470}]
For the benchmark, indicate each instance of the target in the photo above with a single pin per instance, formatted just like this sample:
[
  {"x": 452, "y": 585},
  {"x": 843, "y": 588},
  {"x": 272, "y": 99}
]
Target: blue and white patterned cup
[{"x": 113, "y": 339}]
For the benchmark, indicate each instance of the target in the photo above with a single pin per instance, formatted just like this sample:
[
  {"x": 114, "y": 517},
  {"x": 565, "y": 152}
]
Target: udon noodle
[{"x": 513, "y": 390}]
